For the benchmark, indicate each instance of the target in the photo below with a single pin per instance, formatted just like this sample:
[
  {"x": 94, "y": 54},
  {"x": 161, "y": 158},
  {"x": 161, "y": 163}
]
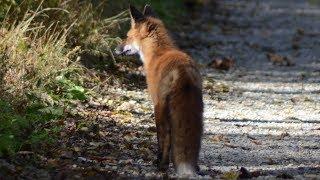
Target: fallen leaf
[
  {"x": 217, "y": 87},
  {"x": 231, "y": 145},
  {"x": 219, "y": 137},
  {"x": 216, "y": 138},
  {"x": 279, "y": 60},
  {"x": 223, "y": 64},
  {"x": 283, "y": 135},
  {"x": 256, "y": 142}
]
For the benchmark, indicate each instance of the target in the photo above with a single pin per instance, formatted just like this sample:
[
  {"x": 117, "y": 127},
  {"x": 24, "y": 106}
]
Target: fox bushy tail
[{"x": 186, "y": 108}]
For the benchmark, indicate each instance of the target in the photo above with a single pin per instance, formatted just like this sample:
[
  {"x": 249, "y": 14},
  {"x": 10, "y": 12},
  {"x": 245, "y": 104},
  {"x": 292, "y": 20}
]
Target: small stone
[
  {"x": 203, "y": 168},
  {"x": 94, "y": 104},
  {"x": 76, "y": 149},
  {"x": 140, "y": 161},
  {"x": 84, "y": 129},
  {"x": 149, "y": 175},
  {"x": 66, "y": 155}
]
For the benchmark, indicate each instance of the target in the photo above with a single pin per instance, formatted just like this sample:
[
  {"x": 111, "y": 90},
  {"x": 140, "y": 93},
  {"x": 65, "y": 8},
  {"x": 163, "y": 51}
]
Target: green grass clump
[
  {"x": 35, "y": 64},
  {"x": 30, "y": 60},
  {"x": 26, "y": 132}
]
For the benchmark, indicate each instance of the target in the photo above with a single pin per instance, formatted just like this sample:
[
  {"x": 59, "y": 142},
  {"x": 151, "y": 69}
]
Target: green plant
[
  {"x": 71, "y": 90},
  {"x": 20, "y": 132}
]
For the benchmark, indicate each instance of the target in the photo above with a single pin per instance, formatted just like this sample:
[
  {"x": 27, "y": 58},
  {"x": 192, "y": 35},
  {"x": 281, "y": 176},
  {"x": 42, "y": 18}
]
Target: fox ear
[
  {"x": 135, "y": 14},
  {"x": 148, "y": 11}
]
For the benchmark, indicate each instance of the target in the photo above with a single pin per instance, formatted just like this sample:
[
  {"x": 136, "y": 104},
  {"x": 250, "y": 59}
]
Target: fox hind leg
[{"x": 163, "y": 135}]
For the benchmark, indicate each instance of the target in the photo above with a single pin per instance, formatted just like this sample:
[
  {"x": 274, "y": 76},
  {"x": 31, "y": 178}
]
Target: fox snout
[{"x": 126, "y": 49}]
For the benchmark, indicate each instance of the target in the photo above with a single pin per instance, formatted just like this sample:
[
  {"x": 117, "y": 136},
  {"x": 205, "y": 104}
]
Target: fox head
[{"x": 146, "y": 35}]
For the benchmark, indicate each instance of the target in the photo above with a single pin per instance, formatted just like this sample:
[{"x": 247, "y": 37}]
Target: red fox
[{"x": 175, "y": 86}]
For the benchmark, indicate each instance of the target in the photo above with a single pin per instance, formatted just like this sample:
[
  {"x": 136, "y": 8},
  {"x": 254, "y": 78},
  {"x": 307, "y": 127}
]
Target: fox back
[{"x": 175, "y": 86}]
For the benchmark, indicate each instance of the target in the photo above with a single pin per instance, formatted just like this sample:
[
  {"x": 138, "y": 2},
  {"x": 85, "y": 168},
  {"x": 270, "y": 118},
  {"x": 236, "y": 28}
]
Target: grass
[
  {"x": 34, "y": 61},
  {"x": 42, "y": 50},
  {"x": 39, "y": 75},
  {"x": 26, "y": 132},
  {"x": 31, "y": 60}
]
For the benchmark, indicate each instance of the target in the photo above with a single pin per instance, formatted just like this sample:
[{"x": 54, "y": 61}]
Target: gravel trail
[{"x": 269, "y": 118}]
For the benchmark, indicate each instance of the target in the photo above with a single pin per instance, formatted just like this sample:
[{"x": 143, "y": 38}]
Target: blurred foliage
[
  {"x": 167, "y": 10},
  {"x": 314, "y": 2}
]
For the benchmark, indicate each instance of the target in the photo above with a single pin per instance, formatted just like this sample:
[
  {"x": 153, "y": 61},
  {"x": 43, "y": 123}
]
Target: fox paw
[{"x": 163, "y": 166}]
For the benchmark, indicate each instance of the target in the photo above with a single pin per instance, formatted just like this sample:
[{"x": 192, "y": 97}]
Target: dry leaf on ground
[
  {"x": 222, "y": 64},
  {"x": 279, "y": 60}
]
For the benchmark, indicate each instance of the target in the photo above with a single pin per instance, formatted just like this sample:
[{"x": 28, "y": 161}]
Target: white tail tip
[{"x": 185, "y": 169}]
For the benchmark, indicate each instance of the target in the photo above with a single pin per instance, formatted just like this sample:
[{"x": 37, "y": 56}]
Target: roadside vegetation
[{"x": 54, "y": 54}]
